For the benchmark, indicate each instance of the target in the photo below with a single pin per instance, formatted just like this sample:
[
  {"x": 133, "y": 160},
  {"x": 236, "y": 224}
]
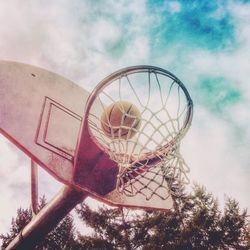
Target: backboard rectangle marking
[{"x": 58, "y": 129}]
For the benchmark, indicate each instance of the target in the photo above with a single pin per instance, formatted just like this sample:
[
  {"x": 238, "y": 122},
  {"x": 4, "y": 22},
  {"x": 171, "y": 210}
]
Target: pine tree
[
  {"x": 22, "y": 218},
  {"x": 62, "y": 237},
  {"x": 195, "y": 223},
  {"x": 236, "y": 231}
]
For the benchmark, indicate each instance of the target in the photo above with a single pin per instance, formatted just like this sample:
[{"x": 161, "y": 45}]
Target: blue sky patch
[
  {"x": 217, "y": 93},
  {"x": 204, "y": 24}
]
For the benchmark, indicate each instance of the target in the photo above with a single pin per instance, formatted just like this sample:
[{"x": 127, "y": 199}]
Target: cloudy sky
[{"x": 204, "y": 43}]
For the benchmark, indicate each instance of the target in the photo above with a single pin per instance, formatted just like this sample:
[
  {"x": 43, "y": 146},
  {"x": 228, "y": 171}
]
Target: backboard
[{"x": 41, "y": 113}]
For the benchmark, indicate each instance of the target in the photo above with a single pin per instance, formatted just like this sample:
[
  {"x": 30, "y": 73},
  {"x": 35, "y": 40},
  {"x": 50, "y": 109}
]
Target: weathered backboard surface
[{"x": 41, "y": 113}]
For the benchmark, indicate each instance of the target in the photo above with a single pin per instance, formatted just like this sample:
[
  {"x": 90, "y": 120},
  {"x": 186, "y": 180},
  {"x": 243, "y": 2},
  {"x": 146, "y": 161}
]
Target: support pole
[
  {"x": 34, "y": 188},
  {"x": 47, "y": 219}
]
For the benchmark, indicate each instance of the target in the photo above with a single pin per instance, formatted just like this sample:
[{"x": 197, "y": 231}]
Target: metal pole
[
  {"x": 47, "y": 219},
  {"x": 34, "y": 188}
]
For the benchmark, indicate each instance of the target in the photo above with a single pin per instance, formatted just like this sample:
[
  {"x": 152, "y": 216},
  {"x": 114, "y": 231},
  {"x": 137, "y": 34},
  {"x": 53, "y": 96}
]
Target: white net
[{"x": 147, "y": 147}]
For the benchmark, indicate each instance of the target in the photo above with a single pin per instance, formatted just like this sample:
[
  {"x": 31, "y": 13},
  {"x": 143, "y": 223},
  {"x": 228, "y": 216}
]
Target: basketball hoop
[
  {"x": 125, "y": 150},
  {"x": 151, "y": 157}
]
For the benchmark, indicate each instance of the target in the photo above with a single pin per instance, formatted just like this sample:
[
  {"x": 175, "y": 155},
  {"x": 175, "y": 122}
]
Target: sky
[{"x": 206, "y": 44}]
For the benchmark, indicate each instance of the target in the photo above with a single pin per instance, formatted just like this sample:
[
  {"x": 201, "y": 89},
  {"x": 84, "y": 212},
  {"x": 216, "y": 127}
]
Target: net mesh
[{"x": 148, "y": 154}]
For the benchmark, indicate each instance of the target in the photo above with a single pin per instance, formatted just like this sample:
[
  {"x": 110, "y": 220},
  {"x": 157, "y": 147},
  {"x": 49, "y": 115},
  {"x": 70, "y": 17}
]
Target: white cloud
[
  {"x": 14, "y": 183},
  {"x": 210, "y": 152},
  {"x": 137, "y": 52},
  {"x": 101, "y": 32}
]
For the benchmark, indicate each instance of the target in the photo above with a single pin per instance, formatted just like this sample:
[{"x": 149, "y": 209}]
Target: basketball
[{"x": 121, "y": 120}]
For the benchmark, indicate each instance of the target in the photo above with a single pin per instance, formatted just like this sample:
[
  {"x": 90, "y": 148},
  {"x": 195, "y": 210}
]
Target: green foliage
[
  {"x": 62, "y": 237},
  {"x": 17, "y": 224},
  {"x": 196, "y": 223}
]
